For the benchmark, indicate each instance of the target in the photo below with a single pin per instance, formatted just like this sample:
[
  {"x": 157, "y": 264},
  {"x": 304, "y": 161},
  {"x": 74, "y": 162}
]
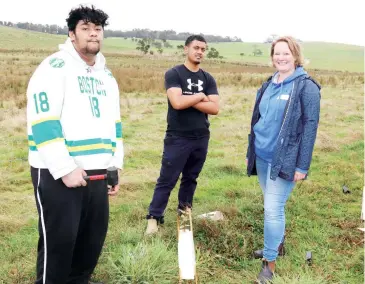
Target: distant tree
[
  {"x": 134, "y": 34},
  {"x": 157, "y": 44},
  {"x": 143, "y": 46},
  {"x": 271, "y": 38},
  {"x": 180, "y": 47},
  {"x": 53, "y": 29},
  {"x": 166, "y": 44},
  {"x": 150, "y": 40},
  {"x": 63, "y": 31},
  {"x": 242, "y": 54},
  {"x": 146, "y": 48},
  {"x": 213, "y": 53},
  {"x": 151, "y": 52},
  {"x": 256, "y": 51},
  {"x": 160, "y": 50}
]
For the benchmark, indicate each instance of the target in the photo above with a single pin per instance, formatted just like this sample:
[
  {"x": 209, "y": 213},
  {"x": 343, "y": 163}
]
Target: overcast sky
[{"x": 253, "y": 21}]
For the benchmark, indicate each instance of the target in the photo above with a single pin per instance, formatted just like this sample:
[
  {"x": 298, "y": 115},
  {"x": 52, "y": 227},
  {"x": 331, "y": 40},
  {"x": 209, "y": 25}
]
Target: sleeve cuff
[
  {"x": 301, "y": 171},
  {"x": 64, "y": 171},
  {"x": 116, "y": 163}
]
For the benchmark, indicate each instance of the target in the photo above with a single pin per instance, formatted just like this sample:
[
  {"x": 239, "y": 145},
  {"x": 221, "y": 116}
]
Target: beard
[
  {"x": 194, "y": 61},
  {"x": 91, "y": 49},
  {"x": 88, "y": 48}
]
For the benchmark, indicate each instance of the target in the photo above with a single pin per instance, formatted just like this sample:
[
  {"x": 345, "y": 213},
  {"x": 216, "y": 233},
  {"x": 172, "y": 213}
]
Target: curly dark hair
[{"x": 88, "y": 15}]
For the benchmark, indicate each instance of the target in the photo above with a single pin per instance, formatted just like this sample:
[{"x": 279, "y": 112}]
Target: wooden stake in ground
[{"x": 186, "y": 249}]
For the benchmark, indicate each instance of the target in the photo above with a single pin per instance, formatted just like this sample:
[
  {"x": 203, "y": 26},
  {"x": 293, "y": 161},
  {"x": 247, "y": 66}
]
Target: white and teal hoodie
[{"x": 73, "y": 114}]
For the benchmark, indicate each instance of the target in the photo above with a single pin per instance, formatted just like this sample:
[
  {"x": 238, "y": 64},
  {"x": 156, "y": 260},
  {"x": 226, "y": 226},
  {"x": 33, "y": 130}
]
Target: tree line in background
[
  {"x": 135, "y": 33},
  {"x": 145, "y": 45},
  {"x": 146, "y": 39}
]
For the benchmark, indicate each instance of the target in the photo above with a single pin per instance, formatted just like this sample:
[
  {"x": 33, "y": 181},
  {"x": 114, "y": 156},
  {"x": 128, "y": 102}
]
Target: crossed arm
[{"x": 208, "y": 104}]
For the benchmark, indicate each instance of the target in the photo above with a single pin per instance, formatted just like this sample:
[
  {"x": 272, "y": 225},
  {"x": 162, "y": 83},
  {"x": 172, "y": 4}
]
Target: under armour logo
[
  {"x": 88, "y": 70},
  {"x": 199, "y": 85}
]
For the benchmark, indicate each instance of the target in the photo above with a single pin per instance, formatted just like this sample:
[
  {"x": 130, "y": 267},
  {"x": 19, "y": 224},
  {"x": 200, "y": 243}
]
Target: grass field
[
  {"x": 330, "y": 56},
  {"x": 320, "y": 218}
]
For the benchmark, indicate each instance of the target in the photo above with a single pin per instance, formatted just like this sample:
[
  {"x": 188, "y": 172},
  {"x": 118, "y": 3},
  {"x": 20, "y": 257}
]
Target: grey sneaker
[
  {"x": 265, "y": 275},
  {"x": 152, "y": 227}
]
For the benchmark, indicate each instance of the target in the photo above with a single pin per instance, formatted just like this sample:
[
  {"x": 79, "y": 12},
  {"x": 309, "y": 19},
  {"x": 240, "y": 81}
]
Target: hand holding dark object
[
  {"x": 113, "y": 190},
  {"x": 114, "y": 187},
  {"x": 112, "y": 177},
  {"x": 75, "y": 178}
]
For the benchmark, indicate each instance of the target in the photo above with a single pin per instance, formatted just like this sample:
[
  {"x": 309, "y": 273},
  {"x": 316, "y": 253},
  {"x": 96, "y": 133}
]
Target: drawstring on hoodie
[
  {"x": 268, "y": 104},
  {"x": 278, "y": 100},
  {"x": 269, "y": 94}
]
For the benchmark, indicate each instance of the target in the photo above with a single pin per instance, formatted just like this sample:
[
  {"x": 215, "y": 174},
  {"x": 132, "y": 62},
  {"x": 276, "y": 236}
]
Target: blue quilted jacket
[{"x": 295, "y": 143}]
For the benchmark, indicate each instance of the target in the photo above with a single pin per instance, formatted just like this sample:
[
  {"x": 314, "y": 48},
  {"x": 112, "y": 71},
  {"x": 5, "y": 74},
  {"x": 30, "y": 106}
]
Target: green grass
[
  {"x": 320, "y": 218},
  {"x": 329, "y": 56}
]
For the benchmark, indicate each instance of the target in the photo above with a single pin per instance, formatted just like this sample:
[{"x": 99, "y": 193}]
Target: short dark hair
[
  {"x": 88, "y": 15},
  {"x": 194, "y": 37}
]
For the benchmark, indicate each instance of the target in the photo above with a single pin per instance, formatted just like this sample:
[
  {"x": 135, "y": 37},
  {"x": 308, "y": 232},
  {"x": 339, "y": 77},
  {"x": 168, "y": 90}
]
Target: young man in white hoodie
[{"x": 74, "y": 130}]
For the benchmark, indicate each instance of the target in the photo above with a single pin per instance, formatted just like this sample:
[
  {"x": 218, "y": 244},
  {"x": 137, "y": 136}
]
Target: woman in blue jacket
[{"x": 283, "y": 131}]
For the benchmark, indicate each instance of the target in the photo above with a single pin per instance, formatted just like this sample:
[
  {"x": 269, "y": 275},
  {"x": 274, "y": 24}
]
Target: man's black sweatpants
[
  {"x": 73, "y": 223},
  {"x": 180, "y": 155}
]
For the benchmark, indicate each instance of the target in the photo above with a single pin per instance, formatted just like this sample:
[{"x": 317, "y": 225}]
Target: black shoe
[
  {"x": 260, "y": 253},
  {"x": 265, "y": 275},
  {"x": 161, "y": 220}
]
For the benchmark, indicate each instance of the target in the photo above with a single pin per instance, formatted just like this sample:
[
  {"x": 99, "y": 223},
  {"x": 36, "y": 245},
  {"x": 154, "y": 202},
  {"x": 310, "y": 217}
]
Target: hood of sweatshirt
[
  {"x": 272, "y": 107},
  {"x": 70, "y": 49}
]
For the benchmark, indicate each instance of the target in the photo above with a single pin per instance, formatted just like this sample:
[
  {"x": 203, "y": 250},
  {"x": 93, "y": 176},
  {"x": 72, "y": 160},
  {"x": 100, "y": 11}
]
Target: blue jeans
[{"x": 276, "y": 193}]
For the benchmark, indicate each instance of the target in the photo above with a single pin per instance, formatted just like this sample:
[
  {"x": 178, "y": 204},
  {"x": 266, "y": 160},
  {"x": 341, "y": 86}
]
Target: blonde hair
[{"x": 294, "y": 49}]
